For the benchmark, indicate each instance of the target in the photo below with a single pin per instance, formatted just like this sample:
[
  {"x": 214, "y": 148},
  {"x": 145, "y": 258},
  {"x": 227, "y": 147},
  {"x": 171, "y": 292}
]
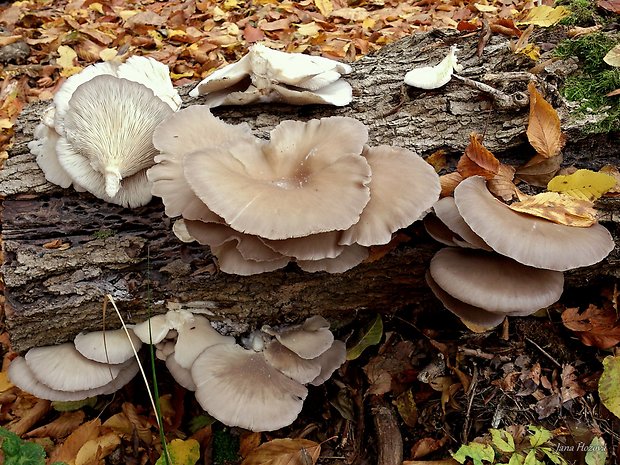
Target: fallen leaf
[
  {"x": 610, "y": 5},
  {"x": 60, "y": 427},
  {"x": 539, "y": 170},
  {"x": 613, "y": 93},
  {"x": 181, "y": 453},
  {"x": 437, "y": 160},
  {"x": 426, "y": 446},
  {"x": 285, "y": 452},
  {"x": 570, "y": 386},
  {"x": 477, "y": 160},
  {"x": 94, "y": 450},
  {"x": 248, "y": 441},
  {"x": 598, "y": 327},
  {"x": 324, "y": 6},
  {"x": 583, "y": 184},
  {"x": 5, "y": 382},
  {"x": 613, "y": 57},
  {"x": 543, "y": 130},
  {"x": 67, "y": 61},
  {"x": 67, "y": 451},
  {"x": 558, "y": 208},
  {"x": 311, "y": 29},
  {"x": 407, "y": 408},
  {"x": 608, "y": 385},
  {"x": 577, "y": 31},
  {"x": 449, "y": 182},
  {"x": 615, "y": 173},
  {"x": 596, "y": 452},
  {"x": 370, "y": 337},
  {"x": 545, "y": 16},
  {"x": 501, "y": 185},
  {"x": 32, "y": 416}
]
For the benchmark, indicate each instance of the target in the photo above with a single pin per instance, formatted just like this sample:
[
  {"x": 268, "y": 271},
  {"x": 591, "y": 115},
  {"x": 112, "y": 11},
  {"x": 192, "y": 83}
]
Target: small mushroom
[
  {"x": 308, "y": 340},
  {"x": 433, "y": 77},
  {"x": 289, "y": 363},
  {"x": 194, "y": 336},
  {"x": 107, "y": 346},
  {"x": 330, "y": 361},
  {"x": 532, "y": 241},
  {"x": 266, "y": 75},
  {"x": 181, "y": 375},
  {"x": 238, "y": 387},
  {"x": 154, "y": 330}
]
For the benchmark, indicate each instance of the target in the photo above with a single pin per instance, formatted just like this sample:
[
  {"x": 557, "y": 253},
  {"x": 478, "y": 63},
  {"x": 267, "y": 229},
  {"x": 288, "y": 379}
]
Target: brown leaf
[
  {"x": 613, "y": 93},
  {"x": 485, "y": 35},
  {"x": 477, "y": 160},
  {"x": 67, "y": 451},
  {"x": 501, "y": 185},
  {"x": 248, "y": 442},
  {"x": 426, "y": 446},
  {"x": 611, "y": 5},
  {"x": 437, "y": 160},
  {"x": 558, "y": 208},
  {"x": 384, "y": 369},
  {"x": 60, "y": 427},
  {"x": 33, "y": 415},
  {"x": 570, "y": 387},
  {"x": 449, "y": 182},
  {"x": 94, "y": 450},
  {"x": 543, "y": 129},
  {"x": 539, "y": 170},
  {"x": 598, "y": 327},
  {"x": 284, "y": 452}
]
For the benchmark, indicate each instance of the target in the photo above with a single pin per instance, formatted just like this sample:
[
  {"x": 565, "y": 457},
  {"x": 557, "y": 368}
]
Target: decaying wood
[{"x": 53, "y": 293}]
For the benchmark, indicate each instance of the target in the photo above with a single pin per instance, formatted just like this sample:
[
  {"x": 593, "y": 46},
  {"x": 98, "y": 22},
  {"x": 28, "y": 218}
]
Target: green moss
[
  {"x": 104, "y": 234},
  {"x": 596, "y": 79},
  {"x": 225, "y": 446},
  {"x": 583, "y": 13}
]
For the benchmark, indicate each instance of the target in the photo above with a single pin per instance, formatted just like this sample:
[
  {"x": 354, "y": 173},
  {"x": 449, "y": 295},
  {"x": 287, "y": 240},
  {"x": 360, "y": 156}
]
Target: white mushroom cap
[
  {"x": 239, "y": 388},
  {"x": 159, "y": 327},
  {"x": 448, "y": 214},
  {"x": 351, "y": 256},
  {"x": 289, "y": 363},
  {"x": 438, "y": 230},
  {"x": 194, "y": 337},
  {"x": 402, "y": 188},
  {"x": 107, "y": 346},
  {"x": 330, "y": 361},
  {"x": 312, "y": 167},
  {"x": 224, "y": 77},
  {"x": 179, "y": 228},
  {"x": 23, "y": 377},
  {"x": 181, "y": 375},
  {"x": 312, "y": 247},
  {"x": 494, "y": 282},
  {"x": 107, "y": 138},
  {"x": 63, "y": 368},
  {"x": 529, "y": 240},
  {"x": 164, "y": 349},
  {"x": 432, "y": 77},
  {"x": 308, "y": 340}
]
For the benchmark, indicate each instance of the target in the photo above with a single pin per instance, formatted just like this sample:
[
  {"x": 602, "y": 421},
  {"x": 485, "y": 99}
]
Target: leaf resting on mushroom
[{"x": 558, "y": 208}]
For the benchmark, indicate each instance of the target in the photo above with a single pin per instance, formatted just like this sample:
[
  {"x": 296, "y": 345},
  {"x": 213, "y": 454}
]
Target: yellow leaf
[
  {"x": 126, "y": 14},
  {"x": 108, "y": 54},
  {"x": 325, "y": 7},
  {"x": 532, "y": 51},
  {"x": 545, "y": 16},
  {"x": 230, "y": 4},
  {"x": 5, "y": 384},
  {"x": 582, "y": 184},
  {"x": 485, "y": 8},
  {"x": 67, "y": 60},
  {"x": 558, "y": 208},
  {"x": 369, "y": 23},
  {"x": 175, "y": 32},
  {"x": 96, "y": 449},
  {"x": 96, "y": 6},
  {"x": 6, "y": 123},
  {"x": 613, "y": 56},
  {"x": 309, "y": 29},
  {"x": 182, "y": 452},
  {"x": 615, "y": 173},
  {"x": 543, "y": 129},
  {"x": 284, "y": 452}
]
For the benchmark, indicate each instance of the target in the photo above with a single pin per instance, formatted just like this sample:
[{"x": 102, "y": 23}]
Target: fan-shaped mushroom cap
[
  {"x": 351, "y": 256},
  {"x": 529, "y": 240},
  {"x": 313, "y": 247},
  {"x": 153, "y": 330},
  {"x": 474, "y": 318},
  {"x": 493, "y": 282},
  {"x": 225, "y": 77},
  {"x": 330, "y": 361},
  {"x": 308, "y": 340},
  {"x": 312, "y": 167},
  {"x": 194, "y": 337},
  {"x": 403, "y": 186},
  {"x": 187, "y": 131},
  {"x": 448, "y": 214},
  {"x": 181, "y": 375},
  {"x": 289, "y": 363},
  {"x": 23, "y": 377},
  {"x": 179, "y": 228},
  {"x": 107, "y": 138},
  {"x": 432, "y": 77},
  {"x": 231, "y": 261},
  {"x": 63, "y": 368},
  {"x": 107, "y": 346},
  {"x": 239, "y": 388},
  {"x": 439, "y": 231}
]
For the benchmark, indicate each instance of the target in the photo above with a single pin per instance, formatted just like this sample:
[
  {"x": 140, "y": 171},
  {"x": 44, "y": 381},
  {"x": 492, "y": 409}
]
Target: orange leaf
[
  {"x": 543, "y": 129},
  {"x": 480, "y": 155},
  {"x": 501, "y": 184},
  {"x": 60, "y": 427},
  {"x": 68, "y": 451},
  {"x": 597, "y": 327},
  {"x": 284, "y": 452},
  {"x": 437, "y": 160},
  {"x": 449, "y": 182}
]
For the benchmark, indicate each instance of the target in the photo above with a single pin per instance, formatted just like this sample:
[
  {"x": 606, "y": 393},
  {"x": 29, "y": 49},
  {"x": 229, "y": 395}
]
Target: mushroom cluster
[
  {"x": 258, "y": 387},
  {"x": 314, "y": 193},
  {"x": 266, "y": 75},
  {"x": 97, "y": 134},
  {"x": 507, "y": 263},
  {"x": 94, "y": 364}
]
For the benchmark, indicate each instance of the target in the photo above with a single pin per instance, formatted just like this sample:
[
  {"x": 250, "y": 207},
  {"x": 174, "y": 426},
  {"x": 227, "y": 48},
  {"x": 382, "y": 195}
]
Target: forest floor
[{"x": 427, "y": 380}]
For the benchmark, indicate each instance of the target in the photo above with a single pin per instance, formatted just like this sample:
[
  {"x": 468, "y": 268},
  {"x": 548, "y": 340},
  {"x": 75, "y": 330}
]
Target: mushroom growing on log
[{"x": 54, "y": 293}]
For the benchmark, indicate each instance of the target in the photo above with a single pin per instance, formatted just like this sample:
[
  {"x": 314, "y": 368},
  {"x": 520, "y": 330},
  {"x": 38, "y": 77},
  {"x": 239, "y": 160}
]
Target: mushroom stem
[{"x": 112, "y": 180}]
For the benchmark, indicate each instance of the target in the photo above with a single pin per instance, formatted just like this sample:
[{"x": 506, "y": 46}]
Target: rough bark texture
[{"x": 51, "y": 294}]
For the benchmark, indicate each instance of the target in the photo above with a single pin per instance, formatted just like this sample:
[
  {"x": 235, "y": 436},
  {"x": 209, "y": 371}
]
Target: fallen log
[{"x": 64, "y": 251}]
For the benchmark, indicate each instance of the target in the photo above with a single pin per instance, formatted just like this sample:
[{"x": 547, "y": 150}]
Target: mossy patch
[
  {"x": 596, "y": 79},
  {"x": 583, "y": 13}
]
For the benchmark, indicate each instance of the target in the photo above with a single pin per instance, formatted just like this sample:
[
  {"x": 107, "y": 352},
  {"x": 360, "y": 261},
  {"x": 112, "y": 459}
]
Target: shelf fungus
[
  {"x": 93, "y": 366},
  {"x": 241, "y": 195},
  {"x": 97, "y": 134},
  {"x": 433, "y": 77},
  {"x": 266, "y": 75},
  {"x": 502, "y": 263}
]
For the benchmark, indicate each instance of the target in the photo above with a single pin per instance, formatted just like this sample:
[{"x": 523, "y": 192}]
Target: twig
[
  {"x": 471, "y": 393},
  {"x": 543, "y": 351},
  {"x": 389, "y": 439},
  {"x": 480, "y": 354},
  {"x": 501, "y": 99}
]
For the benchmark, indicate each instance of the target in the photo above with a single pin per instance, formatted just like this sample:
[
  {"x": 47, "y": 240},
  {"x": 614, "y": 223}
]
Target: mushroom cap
[
  {"x": 225, "y": 77},
  {"x": 448, "y": 214},
  {"x": 63, "y": 368},
  {"x": 402, "y": 188},
  {"x": 475, "y": 318},
  {"x": 351, "y": 256},
  {"x": 107, "y": 346},
  {"x": 306, "y": 343},
  {"x": 183, "y": 132},
  {"x": 330, "y": 361},
  {"x": 239, "y": 388},
  {"x": 312, "y": 247},
  {"x": 432, "y": 77},
  {"x": 438, "y": 230},
  {"x": 527, "y": 239},
  {"x": 312, "y": 167},
  {"x": 23, "y": 377},
  {"x": 179, "y": 228},
  {"x": 194, "y": 337},
  {"x": 289, "y": 363},
  {"x": 181, "y": 375},
  {"x": 107, "y": 138},
  {"x": 494, "y": 282},
  {"x": 338, "y": 93},
  {"x": 230, "y": 260},
  {"x": 153, "y": 330}
]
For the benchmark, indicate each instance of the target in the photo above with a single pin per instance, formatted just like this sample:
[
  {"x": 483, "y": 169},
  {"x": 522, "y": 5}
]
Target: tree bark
[{"x": 53, "y": 293}]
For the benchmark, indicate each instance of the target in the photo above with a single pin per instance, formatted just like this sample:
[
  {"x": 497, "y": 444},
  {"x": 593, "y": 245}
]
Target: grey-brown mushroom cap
[
  {"x": 307, "y": 344},
  {"x": 330, "y": 361},
  {"x": 23, "y": 377},
  {"x": 469, "y": 314},
  {"x": 448, "y": 214},
  {"x": 402, "y": 188},
  {"x": 312, "y": 247},
  {"x": 350, "y": 257},
  {"x": 113, "y": 346},
  {"x": 239, "y": 388},
  {"x": 439, "y": 231},
  {"x": 312, "y": 167},
  {"x": 529, "y": 240},
  {"x": 230, "y": 261},
  {"x": 195, "y": 336},
  {"x": 494, "y": 282},
  {"x": 289, "y": 363},
  {"x": 107, "y": 135},
  {"x": 183, "y": 132}
]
